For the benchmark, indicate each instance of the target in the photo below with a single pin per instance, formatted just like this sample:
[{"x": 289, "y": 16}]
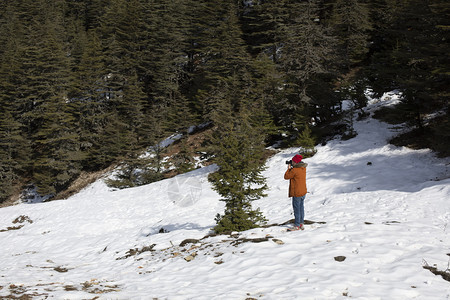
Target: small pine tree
[
  {"x": 238, "y": 150},
  {"x": 238, "y": 180},
  {"x": 134, "y": 171},
  {"x": 237, "y": 141},
  {"x": 306, "y": 142},
  {"x": 348, "y": 119},
  {"x": 183, "y": 160}
]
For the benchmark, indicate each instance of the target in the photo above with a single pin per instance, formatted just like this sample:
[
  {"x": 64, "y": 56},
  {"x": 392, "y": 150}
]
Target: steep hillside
[{"x": 378, "y": 228}]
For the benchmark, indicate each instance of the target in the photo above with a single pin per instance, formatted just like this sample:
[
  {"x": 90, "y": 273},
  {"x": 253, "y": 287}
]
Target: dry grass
[
  {"x": 14, "y": 199},
  {"x": 82, "y": 181}
]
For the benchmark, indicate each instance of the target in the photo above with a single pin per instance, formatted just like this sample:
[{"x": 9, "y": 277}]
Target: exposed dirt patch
[
  {"x": 136, "y": 251},
  {"x": 19, "y": 220},
  {"x": 193, "y": 143},
  {"x": 22, "y": 219},
  {"x": 210, "y": 245},
  {"x": 83, "y": 180},
  {"x": 92, "y": 286},
  {"x": 20, "y": 292},
  {"x": 17, "y": 189},
  {"x": 291, "y": 221}
]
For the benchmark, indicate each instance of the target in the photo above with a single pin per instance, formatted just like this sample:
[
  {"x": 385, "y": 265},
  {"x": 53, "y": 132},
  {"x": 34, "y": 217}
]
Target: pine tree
[
  {"x": 184, "y": 160},
  {"x": 165, "y": 61},
  {"x": 351, "y": 23},
  {"x": 306, "y": 59},
  {"x": 308, "y": 47},
  {"x": 41, "y": 95},
  {"x": 13, "y": 152},
  {"x": 122, "y": 92},
  {"x": 155, "y": 130},
  {"x": 237, "y": 141},
  {"x": 96, "y": 117},
  {"x": 94, "y": 11},
  {"x": 14, "y": 148},
  {"x": 238, "y": 180},
  {"x": 263, "y": 24},
  {"x": 56, "y": 142},
  {"x": 306, "y": 142},
  {"x": 412, "y": 57}
]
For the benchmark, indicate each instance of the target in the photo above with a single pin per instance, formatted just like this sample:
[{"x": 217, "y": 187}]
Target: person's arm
[{"x": 289, "y": 173}]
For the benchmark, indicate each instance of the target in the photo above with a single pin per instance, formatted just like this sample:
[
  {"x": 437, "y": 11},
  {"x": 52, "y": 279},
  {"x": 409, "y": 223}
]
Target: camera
[{"x": 289, "y": 162}]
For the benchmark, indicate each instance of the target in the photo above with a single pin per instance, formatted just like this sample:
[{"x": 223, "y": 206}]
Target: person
[{"x": 296, "y": 174}]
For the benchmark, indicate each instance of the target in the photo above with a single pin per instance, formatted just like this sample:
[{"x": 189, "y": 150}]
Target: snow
[{"x": 385, "y": 208}]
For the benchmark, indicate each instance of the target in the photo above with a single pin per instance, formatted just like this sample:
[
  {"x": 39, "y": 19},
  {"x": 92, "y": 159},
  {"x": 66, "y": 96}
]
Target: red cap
[{"x": 297, "y": 158}]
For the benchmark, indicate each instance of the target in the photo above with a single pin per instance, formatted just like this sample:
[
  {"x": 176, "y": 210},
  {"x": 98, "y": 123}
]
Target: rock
[
  {"x": 60, "y": 269},
  {"x": 339, "y": 258},
  {"x": 190, "y": 257},
  {"x": 188, "y": 241},
  {"x": 279, "y": 242}
]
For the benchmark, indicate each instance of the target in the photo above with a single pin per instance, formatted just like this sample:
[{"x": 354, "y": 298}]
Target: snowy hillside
[{"x": 378, "y": 214}]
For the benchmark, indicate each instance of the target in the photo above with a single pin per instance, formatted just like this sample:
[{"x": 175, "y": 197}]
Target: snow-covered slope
[{"x": 380, "y": 213}]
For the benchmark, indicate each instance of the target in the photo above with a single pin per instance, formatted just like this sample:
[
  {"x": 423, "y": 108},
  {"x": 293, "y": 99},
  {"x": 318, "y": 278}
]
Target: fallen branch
[{"x": 435, "y": 271}]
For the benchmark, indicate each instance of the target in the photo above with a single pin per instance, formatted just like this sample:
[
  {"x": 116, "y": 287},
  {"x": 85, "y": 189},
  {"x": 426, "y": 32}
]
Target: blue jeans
[{"x": 299, "y": 210}]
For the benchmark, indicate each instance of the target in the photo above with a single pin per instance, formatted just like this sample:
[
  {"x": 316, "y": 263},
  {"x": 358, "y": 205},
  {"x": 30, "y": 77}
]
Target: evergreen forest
[{"x": 85, "y": 84}]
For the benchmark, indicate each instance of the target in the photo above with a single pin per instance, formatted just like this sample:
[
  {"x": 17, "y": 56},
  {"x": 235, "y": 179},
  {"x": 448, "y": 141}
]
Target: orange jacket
[{"x": 297, "y": 180}]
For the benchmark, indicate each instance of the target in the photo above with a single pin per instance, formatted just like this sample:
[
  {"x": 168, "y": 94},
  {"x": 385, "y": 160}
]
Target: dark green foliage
[
  {"x": 239, "y": 180},
  {"x": 355, "y": 92},
  {"x": 237, "y": 141},
  {"x": 392, "y": 115},
  {"x": 184, "y": 159},
  {"x": 308, "y": 47},
  {"x": 306, "y": 142},
  {"x": 135, "y": 171},
  {"x": 307, "y": 61},
  {"x": 414, "y": 56},
  {"x": 351, "y": 23},
  {"x": 84, "y": 84},
  {"x": 13, "y": 153},
  {"x": 265, "y": 95},
  {"x": 440, "y": 135},
  {"x": 435, "y": 135}
]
